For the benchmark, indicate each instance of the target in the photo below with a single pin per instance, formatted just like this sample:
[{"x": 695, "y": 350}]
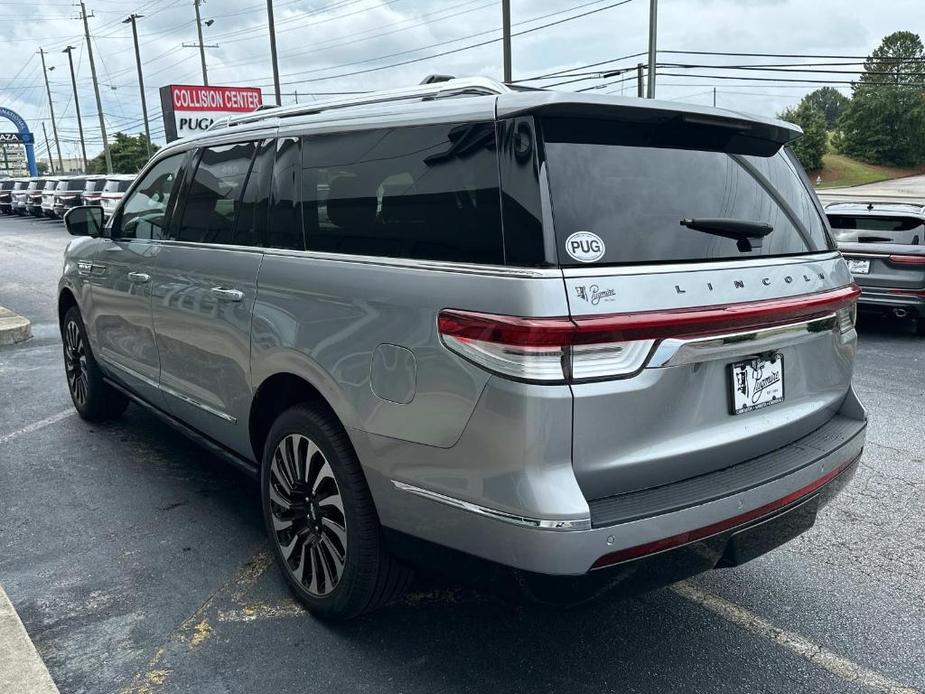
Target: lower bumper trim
[{"x": 689, "y": 536}]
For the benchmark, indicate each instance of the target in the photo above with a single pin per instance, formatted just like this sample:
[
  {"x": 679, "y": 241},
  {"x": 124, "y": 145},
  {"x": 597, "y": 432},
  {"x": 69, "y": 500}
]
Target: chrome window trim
[
  {"x": 677, "y": 352},
  {"x": 504, "y": 516},
  {"x": 668, "y": 268},
  {"x": 169, "y": 391}
]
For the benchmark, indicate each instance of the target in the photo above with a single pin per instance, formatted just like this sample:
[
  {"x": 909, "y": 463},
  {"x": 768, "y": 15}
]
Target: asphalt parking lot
[{"x": 137, "y": 562}]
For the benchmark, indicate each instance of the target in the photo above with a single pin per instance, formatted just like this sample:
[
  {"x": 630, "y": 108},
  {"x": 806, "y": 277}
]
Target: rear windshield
[
  {"x": 37, "y": 185},
  {"x": 6, "y": 185},
  {"x": 93, "y": 185},
  {"x": 871, "y": 229},
  {"x": 74, "y": 184},
  {"x": 630, "y": 198}
]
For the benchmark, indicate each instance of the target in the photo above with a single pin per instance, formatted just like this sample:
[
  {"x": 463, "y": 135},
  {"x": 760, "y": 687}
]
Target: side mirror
[{"x": 84, "y": 221}]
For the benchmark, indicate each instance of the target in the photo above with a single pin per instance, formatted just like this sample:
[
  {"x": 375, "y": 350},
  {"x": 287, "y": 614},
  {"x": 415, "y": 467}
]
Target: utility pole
[
  {"x": 51, "y": 110},
  {"x": 506, "y": 28},
  {"x": 141, "y": 80},
  {"x": 96, "y": 88},
  {"x": 272, "y": 21},
  {"x": 640, "y": 81},
  {"x": 202, "y": 48},
  {"x": 51, "y": 162},
  {"x": 80, "y": 127},
  {"x": 653, "y": 35}
]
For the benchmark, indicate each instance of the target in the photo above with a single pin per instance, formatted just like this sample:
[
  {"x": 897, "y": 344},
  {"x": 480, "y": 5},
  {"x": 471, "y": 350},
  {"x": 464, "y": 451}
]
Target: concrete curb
[
  {"x": 13, "y": 328},
  {"x": 21, "y": 667}
]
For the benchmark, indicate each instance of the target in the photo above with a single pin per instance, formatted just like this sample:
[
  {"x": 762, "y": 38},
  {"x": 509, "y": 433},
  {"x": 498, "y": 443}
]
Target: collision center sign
[{"x": 190, "y": 109}]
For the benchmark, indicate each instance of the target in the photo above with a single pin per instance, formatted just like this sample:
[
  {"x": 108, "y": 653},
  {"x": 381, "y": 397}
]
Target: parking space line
[
  {"x": 37, "y": 425},
  {"x": 816, "y": 654}
]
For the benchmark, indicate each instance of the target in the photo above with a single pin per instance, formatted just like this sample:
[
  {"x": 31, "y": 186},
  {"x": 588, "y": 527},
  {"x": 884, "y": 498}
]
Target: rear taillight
[
  {"x": 908, "y": 259},
  {"x": 567, "y": 350}
]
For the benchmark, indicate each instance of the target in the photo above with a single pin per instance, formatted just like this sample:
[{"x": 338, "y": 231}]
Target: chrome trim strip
[
  {"x": 131, "y": 372},
  {"x": 666, "y": 268},
  {"x": 504, "y": 516},
  {"x": 405, "y": 263},
  {"x": 169, "y": 391},
  {"x": 195, "y": 403},
  {"x": 676, "y": 352}
]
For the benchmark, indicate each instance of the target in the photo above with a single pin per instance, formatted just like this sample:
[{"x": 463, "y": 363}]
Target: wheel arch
[
  {"x": 276, "y": 394},
  {"x": 66, "y": 301}
]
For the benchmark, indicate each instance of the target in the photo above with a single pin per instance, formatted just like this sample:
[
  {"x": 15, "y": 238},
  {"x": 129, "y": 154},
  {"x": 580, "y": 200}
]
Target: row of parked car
[{"x": 52, "y": 196}]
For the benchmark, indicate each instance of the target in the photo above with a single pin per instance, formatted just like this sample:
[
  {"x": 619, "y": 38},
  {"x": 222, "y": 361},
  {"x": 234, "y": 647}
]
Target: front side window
[
  {"x": 144, "y": 214},
  {"x": 214, "y": 193},
  {"x": 428, "y": 192}
]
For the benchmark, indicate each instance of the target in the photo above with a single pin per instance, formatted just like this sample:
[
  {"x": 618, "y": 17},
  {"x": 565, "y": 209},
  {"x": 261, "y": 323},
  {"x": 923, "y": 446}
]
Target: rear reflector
[
  {"x": 908, "y": 259},
  {"x": 721, "y": 526},
  {"x": 619, "y": 344}
]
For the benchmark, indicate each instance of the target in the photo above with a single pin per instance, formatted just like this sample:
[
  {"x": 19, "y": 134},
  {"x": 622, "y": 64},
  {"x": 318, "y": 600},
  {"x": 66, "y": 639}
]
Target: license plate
[
  {"x": 757, "y": 383},
  {"x": 859, "y": 267}
]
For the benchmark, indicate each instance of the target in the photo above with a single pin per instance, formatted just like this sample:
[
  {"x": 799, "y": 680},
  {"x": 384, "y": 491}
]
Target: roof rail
[{"x": 476, "y": 86}]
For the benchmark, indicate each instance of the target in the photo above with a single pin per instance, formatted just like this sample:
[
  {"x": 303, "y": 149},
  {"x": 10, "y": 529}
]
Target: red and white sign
[{"x": 189, "y": 109}]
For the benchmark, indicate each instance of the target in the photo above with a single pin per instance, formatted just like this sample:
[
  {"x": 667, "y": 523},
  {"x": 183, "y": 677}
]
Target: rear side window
[
  {"x": 627, "y": 195},
  {"x": 428, "y": 192},
  {"x": 285, "y": 227},
  {"x": 213, "y": 195}
]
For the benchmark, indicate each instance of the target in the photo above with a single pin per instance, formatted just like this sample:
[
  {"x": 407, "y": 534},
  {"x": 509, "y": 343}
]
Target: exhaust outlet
[{"x": 900, "y": 312}]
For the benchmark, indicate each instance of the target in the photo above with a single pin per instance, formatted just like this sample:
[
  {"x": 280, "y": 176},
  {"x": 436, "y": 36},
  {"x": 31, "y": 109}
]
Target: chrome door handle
[
  {"x": 139, "y": 277},
  {"x": 225, "y": 294}
]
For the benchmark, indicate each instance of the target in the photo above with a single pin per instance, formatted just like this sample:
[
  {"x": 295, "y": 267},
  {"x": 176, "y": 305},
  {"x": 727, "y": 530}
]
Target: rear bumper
[
  {"x": 891, "y": 297},
  {"x": 675, "y": 519}
]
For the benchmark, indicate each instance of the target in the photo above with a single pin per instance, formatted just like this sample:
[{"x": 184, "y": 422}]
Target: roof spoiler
[{"x": 673, "y": 125}]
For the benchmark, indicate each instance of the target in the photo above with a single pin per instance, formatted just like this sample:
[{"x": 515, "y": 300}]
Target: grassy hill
[{"x": 838, "y": 171}]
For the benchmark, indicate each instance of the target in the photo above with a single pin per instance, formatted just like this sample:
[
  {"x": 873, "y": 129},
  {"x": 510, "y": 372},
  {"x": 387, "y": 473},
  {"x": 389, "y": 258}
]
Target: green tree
[
  {"x": 810, "y": 148},
  {"x": 885, "y": 121},
  {"x": 830, "y": 102},
  {"x": 129, "y": 153}
]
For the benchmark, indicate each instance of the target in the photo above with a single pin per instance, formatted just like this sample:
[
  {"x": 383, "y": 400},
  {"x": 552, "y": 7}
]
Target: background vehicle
[
  {"x": 20, "y": 194},
  {"x": 6, "y": 195},
  {"x": 93, "y": 188},
  {"x": 48, "y": 195},
  {"x": 112, "y": 192},
  {"x": 501, "y": 324},
  {"x": 34, "y": 192},
  {"x": 884, "y": 244},
  {"x": 67, "y": 194}
]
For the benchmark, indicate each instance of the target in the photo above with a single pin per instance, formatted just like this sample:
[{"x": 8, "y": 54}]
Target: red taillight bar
[
  {"x": 643, "y": 325},
  {"x": 908, "y": 292},
  {"x": 908, "y": 259},
  {"x": 721, "y": 526}
]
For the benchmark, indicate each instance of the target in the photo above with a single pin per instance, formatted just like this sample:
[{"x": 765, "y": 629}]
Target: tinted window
[
  {"x": 634, "y": 197},
  {"x": 117, "y": 185},
  {"x": 94, "y": 185},
  {"x": 6, "y": 185},
  {"x": 285, "y": 228},
  {"x": 524, "y": 240},
  {"x": 75, "y": 184},
  {"x": 251, "y": 223},
  {"x": 144, "y": 214},
  {"x": 214, "y": 192},
  {"x": 424, "y": 192}
]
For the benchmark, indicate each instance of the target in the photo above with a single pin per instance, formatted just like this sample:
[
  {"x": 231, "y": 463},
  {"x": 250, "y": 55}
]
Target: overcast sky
[{"x": 321, "y": 39}]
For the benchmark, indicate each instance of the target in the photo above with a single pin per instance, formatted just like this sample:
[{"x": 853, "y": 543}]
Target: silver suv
[{"x": 592, "y": 340}]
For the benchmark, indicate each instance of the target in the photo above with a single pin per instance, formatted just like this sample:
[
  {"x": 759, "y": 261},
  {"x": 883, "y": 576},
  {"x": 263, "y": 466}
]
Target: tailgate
[{"x": 674, "y": 419}]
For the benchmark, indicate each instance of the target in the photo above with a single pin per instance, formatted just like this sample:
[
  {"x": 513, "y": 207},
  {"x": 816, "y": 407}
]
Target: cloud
[{"x": 345, "y": 45}]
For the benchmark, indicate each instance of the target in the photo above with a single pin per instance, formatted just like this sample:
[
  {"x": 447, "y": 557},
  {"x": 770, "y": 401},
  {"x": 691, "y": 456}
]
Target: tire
[
  {"x": 93, "y": 398},
  {"x": 321, "y": 520}
]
